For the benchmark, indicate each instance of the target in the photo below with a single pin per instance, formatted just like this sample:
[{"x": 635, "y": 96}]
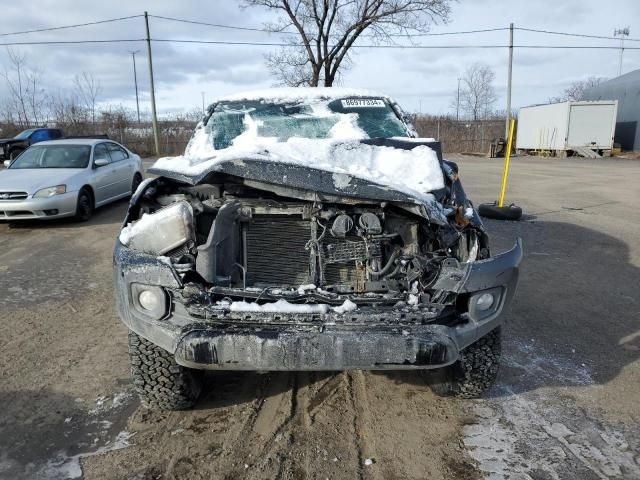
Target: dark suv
[
  {"x": 308, "y": 229},
  {"x": 10, "y": 148}
]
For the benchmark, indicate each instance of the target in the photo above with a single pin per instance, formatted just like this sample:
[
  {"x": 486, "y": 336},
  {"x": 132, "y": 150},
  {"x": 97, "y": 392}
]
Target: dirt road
[{"x": 565, "y": 405}]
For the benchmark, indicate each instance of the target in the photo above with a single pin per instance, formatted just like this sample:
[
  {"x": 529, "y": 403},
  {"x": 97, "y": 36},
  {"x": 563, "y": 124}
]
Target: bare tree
[
  {"x": 17, "y": 82},
  {"x": 326, "y": 30},
  {"x": 88, "y": 89},
  {"x": 576, "y": 90},
  {"x": 477, "y": 94}
]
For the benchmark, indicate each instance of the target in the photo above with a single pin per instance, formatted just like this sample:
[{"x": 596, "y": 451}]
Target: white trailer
[{"x": 584, "y": 128}]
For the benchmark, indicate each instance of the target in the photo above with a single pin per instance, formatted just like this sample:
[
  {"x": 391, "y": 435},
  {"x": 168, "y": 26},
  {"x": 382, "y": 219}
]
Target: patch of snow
[
  {"x": 281, "y": 306},
  {"x": 368, "y": 461},
  {"x": 413, "y": 299},
  {"x": 297, "y": 94},
  {"x": 525, "y": 432},
  {"x": 347, "y": 306},
  {"x": 302, "y": 289},
  {"x": 415, "y": 172},
  {"x": 341, "y": 180}
]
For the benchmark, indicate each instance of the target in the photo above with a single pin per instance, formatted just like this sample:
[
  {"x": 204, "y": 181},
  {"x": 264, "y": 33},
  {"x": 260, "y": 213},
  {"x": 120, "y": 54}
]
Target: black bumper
[
  {"x": 333, "y": 343},
  {"x": 292, "y": 349}
]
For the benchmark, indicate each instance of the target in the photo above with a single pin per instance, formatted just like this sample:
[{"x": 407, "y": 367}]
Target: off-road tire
[
  {"x": 473, "y": 373},
  {"x": 13, "y": 154},
  {"x": 160, "y": 382},
  {"x": 84, "y": 206}
]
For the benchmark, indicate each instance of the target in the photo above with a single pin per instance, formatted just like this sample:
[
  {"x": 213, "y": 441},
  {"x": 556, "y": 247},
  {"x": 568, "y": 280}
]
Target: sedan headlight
[{"x": 50, "y": 191}]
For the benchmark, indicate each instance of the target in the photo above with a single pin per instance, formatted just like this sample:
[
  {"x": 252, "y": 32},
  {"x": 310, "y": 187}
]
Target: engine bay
[{"x": 238, "y": 248}]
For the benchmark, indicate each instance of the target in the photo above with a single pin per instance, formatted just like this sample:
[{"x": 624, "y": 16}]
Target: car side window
[
  {"x": 117, "y": 152},
  {"x": 39, "y": 136},
  {"x": 100, "y": 152},
  {"x": 55, "y": 134}
]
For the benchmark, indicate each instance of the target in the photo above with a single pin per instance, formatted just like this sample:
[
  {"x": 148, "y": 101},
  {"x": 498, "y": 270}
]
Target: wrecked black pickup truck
[{"x": 308, "y": 229}]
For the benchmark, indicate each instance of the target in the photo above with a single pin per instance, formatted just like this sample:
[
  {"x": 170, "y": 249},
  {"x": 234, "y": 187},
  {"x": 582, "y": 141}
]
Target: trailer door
[{"x": 591, "y": 125}]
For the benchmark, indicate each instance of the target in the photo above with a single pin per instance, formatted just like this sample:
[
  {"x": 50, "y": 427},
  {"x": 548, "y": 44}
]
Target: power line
[
  {"x": 266, "y": 30},
  {"x": 410, "y": 47},
  {"x": 582, "y": 35},
  {"x": 72, "y": 42},
  {"x": 98, "y": 22},
  {"x": 280, "y": 44}
]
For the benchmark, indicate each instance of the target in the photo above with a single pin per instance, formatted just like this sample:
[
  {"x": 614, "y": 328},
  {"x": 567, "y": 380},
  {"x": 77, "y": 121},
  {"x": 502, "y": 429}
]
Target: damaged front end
[{"x": 239, "y": 272}]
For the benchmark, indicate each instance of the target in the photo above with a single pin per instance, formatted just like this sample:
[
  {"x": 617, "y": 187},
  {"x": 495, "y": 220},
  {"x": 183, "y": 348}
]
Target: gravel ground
[{"x": 565, "y": 405}]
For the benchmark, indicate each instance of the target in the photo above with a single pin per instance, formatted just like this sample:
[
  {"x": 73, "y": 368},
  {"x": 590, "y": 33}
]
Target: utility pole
[
  {"x": 623, "y": 32},
  {"x": 202, "y": 102},
  {"x": 135, "y": 80},
  {"x": 508, "y": 119},
  {"x": 154, "y": 117},
  {"x": 458, "y": 102}
]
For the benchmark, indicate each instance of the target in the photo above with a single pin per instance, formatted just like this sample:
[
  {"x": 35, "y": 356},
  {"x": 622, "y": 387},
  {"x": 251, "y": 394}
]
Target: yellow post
[{"x": 505, "y": 170}]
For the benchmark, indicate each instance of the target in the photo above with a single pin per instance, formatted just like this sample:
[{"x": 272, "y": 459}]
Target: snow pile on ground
[{"x": 416, "y": 172}]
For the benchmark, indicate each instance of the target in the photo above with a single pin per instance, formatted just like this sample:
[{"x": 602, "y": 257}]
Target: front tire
[
  {"x": 474, "y": 372},
  {"x": 84, "y": 207},
  {"x": 160, "y": 382}
]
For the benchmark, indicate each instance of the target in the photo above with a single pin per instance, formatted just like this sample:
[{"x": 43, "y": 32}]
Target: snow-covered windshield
[{"x": 348, "y": 118}]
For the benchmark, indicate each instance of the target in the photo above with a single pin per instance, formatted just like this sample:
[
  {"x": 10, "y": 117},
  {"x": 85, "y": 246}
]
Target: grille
[
  {"x": 276, "y": 253},
  {"x": 13, "y": 195}
]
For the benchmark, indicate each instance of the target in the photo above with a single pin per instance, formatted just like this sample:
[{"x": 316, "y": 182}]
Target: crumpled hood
[
  {"x": 31, "y": 180},
  {"x": 395, "y": 169}
]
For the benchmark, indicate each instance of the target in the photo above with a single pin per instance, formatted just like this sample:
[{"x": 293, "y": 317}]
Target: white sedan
[{"x": 67, "y": 178}]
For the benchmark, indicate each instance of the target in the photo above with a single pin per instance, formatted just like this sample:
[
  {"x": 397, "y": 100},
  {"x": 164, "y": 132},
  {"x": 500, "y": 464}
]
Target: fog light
[
  {"x": 484, "y": 302},
  {"x": 149, "y": 300}
]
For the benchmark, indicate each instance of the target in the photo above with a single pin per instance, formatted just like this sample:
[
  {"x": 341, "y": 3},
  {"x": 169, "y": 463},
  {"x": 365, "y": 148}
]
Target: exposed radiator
[{"x": 276, "y": 253}]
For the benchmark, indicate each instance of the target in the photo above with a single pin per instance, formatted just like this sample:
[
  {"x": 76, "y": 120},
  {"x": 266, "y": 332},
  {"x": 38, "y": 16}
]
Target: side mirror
[
  {"x": 7, "y": 163},
  {"x": 100, "y": 162}
]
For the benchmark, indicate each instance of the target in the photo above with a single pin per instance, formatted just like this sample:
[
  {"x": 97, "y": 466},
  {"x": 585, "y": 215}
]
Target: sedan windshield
[
  {"x": 344, "y": 118},
  {"x": 54, "y": 156},
  {"x": 24, "y": 134}
]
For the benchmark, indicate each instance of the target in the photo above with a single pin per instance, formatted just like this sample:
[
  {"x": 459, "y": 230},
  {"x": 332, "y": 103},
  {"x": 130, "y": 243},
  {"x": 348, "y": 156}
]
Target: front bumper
[
  {"x": 322, "y": 342},
  {"x": 57, "y": 206}
]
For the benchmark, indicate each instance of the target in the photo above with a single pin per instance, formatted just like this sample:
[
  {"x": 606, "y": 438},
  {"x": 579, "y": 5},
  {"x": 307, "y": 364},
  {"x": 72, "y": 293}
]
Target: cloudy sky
[{"x": 418, "y": 79}]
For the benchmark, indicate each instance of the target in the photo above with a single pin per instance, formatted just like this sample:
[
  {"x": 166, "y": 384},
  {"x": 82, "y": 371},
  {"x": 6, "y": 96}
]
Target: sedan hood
[{"x": 31, "y": 180}]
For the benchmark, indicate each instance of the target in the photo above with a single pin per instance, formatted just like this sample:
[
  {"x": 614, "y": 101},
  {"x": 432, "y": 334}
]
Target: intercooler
[{"x": 276, "y": 254}]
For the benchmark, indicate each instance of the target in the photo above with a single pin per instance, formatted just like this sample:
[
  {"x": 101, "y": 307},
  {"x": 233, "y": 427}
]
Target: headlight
[{"x": 50, "y": 191}]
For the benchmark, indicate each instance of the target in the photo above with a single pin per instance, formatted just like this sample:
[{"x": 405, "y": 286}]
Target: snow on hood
[{"x": 415, "y": 172}]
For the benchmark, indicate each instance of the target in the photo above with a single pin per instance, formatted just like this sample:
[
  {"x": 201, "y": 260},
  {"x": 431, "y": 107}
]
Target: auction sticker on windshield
[{"x": 362, "y": 102}]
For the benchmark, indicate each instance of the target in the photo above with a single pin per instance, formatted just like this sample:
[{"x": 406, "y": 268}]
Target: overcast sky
[{"x": 425, "y": 79}]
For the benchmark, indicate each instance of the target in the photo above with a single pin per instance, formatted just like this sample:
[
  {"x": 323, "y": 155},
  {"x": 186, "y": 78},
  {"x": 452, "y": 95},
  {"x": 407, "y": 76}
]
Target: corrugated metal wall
[{"x": 625, "y": 89}]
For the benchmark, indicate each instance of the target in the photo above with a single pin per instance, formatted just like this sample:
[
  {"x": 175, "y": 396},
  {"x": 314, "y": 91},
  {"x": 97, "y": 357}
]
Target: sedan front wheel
[{"x": 84, "y": 207}]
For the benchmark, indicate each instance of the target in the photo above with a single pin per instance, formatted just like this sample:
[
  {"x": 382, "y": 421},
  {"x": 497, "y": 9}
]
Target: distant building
[{"x": 625, "y": 89}]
